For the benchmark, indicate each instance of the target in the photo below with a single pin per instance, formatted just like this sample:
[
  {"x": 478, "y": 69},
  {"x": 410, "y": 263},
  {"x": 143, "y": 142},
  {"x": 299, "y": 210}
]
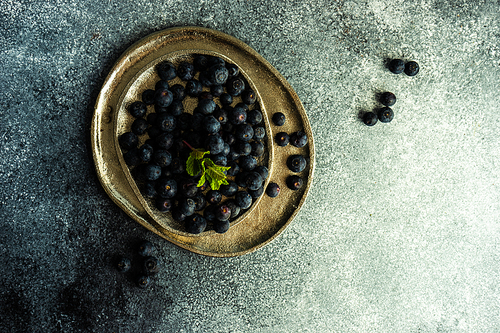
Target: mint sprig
[{"x": 211, "y": 172}]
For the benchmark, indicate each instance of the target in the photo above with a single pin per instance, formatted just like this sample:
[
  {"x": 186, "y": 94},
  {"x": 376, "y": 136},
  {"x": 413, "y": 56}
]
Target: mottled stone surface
[{"x": 400, "y": 232}]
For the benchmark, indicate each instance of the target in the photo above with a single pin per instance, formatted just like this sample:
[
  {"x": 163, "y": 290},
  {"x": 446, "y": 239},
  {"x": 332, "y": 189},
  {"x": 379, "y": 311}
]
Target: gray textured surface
[{"x": 400, "y": 233}]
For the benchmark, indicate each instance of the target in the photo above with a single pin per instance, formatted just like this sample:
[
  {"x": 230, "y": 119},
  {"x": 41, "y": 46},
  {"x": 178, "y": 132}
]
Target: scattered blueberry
[
  {"x": 298, "y": 139},
  {"x": 294, "y": 182},
  {"x": 273, "y": 190},
  {"x": 146, "y": 248},
  {"x": 279, "y": 119},
  {"x": 370, "y": 118},
  {"x": 411, "y": 68},
  {"x": 195, "y": 223},
  {"x": 396, "y": 66},
  {"x": 282, "y": 139},
  {"x": 385, "y": 114},
  {"x": 296, "y": 163},
  {"x": 387, "y": 98},
  {"x": 137, "y": 109},
  {"x": 123, "y": 264},
  {"x": 166, "y": 71},
  {"x": 143, "y": 281}
]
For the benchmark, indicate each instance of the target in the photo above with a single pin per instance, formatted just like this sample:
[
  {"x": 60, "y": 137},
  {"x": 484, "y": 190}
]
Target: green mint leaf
[
  {"x": 224, "y": 182},
  {"x": 202, "y": 180},
  {"x": 194, "y": 163},
  {"x": 198, "y": 154},
  {"x": 215, "y": 174}
]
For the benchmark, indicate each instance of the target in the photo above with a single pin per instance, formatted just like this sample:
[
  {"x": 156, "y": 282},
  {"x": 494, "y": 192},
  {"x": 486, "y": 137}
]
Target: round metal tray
[{"x": 134, "y": 72}]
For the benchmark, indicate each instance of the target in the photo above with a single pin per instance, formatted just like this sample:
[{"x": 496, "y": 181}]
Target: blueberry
[
  {"x": 226, "y": 149},
  {"x": 150, "y": 265},
  {"x": 148, "y": 96},
  {"x": 199, "y": 201},
  {"x": 221, "y": 227},
  {"x": 186, "y": 206},
  {"x": 230, "y": 189},
  {"x": 152, "y": 172},
  {"x": 257, "y": 148},
  {"x": 163, "y": 205},
  {"x": 163, "y": 98},
  {"x": 206, "y": 106},
  {"x": 146, "y": 248},
  {"x": 237, "y": 116},
  {"x": 218, "y": 74},
  {"x": 149, "y": 190},
  {"x": 177, "y": 215},
  {"x": 123, "y": 264},
  {"x": 296, "y": 163},
  {"x": 223, "y": 212},
  {"x": 370, "y": 118},
  {"x": 200, "y": 62},
  {"x": 176, "y": 108},
  {"x": 166, "y": 188},
  {"x": 240, "y": 179},
  {"x": 256, "y": 193},
  {"x": 166, "y": 122},
  {"x": 298, "y": 139},
  {"x": 213, "y": 197},
  {"x": 177, "y": 166},
  {"x": 396, "y": 66},
  {"x": 143, "y": 281},
  {"x": 217, "y": 90},
  {"x": 244, "y": 132},
  {"x": 279, "y": 119},
  {"x": 204, "y": 79},
  {"x": 166, "y": 71},
  {"x": 226, "y": 99},
  {"x": 259, "y": 133},
  {"x": 387, "y": 98},
  {"x": 273, "y": 190},
  {"x": 235, "y": 209},
  {"x": 211, "y": 125},
  {"x": 243, "y": 199},
  {"x": 411, "y": 68},
  {"x": 162, "y": 85},
  {"x": 234, "y": 168},
  {"x": 128, "y": 140},
  {"x": 209, "y": 213},
  {"x": 162, "y": 158},
  {"x": 185, "y": 71},
  {"x": 294, "y": 182},
  {"x": 232, "y": 70},
  {"x": 214, "y": 144},
  {"x": 137, "y": 109},
  {"x": 253, "y": 180},
  {"x": 385, "y": 114},
  {"x": 249, "y": 97},
  {"x": 243, "y": 148},
  {"x": 219, "y": 159},
  {"x": 282, "y": 139},
  {"x": 139, "y": 126},
  {"x": 254, "y": 117},
  {"x": 235, "y": 86},
  {"x": 263, "y": 171},
  {"x": 188, "y": 188},
  {"x": 248, "y": 163},
  {"x": 145, "y": 153},
  {"x": 195, "y": 224},
  {"x": 215, "y": 61},
  {"x": 164, "y": 141},
  {"x": 221, "y": 116},
  {"x": 193, "y": 88},
  {"x": 229, "y": 138},
  {"x": 131, "y": 157}
]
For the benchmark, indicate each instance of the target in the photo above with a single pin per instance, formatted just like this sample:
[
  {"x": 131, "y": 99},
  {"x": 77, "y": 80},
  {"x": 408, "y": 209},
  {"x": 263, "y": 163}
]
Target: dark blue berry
[
  {"x": 248, "y": 163},
  {"x": 149, "y": 190},
  {"x": 166, "y": 188},
  {"x": 214, "y": 144},
  {"x": 223, "y": 212},
  {"x": 213, "y": 197},
  {"x": 185, "y": 71},
  {"x": 123, "y": 264},
  {"x": 259, "y": 133},
  {"x": 193, "y": 88},
  {"x": 177, "y": 215},
  {"x": 254, "y": 117},
  {"x": 221, "y": 227},
  {"x": 209, "y": 213},
  {"x": 204, "y": 79},
  {"x": 176, "y": 108},
  {"x": 234, "y": 168},
  {"x": 178, "y": 92},
  {"x": 253, "y": 180},
  {"x": 256, "y": 193},
  {"x": 166, "y": 122},
  {"x": 215, "y": 61},
  {"x": 273, "y": 190},
  {"x": 282, "y": 139},
  {"x": 385, "y": 114},
  {"x": 298, "y": 139},
  {"x": 235, "y": 86},
  {"x": 257, "y": 148},
  {"x": 146, "y": 248},
  {"x": 163, "y": 205},
  {"x": 217, "y": 90},
  {"x": 237, "y": 116},
  {"x": 131, "y": 157},
  {"x": 218, "y": 74},
  {"x": 143, "y": 281},
  {"x": 294, "y": 182},
  {"x": 296, "y": 163},
  {"x": 235, "y": 209},
  {"x": 166, "y": 71},
  {"x": 243, "y": 199},
  {"x": 219, "y": 159},
  {"x": 195, "y": 224},
  {"x": 186, "y": 206},
  {"x": 162, "y": 85},
  {"x": 243, "y": 148},
  {"x": 200, "y": 62},
  {"x": 411, "y": 68},
  {"x": 139, "y": 126},
  {"x": 248, "y": 97},
  {"x": 152, "y": 172},
  {"x": 263, "y": 171},
  {"x": 148, "y": 96},
  {"x": 230, "y": 189},
  {"x": 199, "y": 201},
  {"x": 164, "y": 141},
  {"x": 211, "y": 125},
  {"x": 206, "y": 106},
  {"x": 387, "y": 98},
  {"x": 137, "y": 109},
  {"x": 150, "y": 265},
  {"x": 162, "y": 158},
  {"x": 163, "y": 98},
  {"x": 226, "y": 99},
  {"x": 279, "y": 119},
  {"x": 244, "y": 132},
  {"x": 232, "y": 70},
  {"x": 396, "y": 66},
  {"x": 128, "y": 140},
  {"x": 370, "y": 118},
  {"x": 145, "y": 153}
]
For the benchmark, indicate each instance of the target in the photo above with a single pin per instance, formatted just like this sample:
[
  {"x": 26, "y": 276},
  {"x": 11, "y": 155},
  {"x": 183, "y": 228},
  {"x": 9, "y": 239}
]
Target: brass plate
[{"x": 133, "y": 73}]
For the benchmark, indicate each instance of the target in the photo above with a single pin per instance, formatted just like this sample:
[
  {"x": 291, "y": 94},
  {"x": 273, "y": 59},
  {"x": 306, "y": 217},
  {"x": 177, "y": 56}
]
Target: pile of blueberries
[
  {"x": 149, "y": 265},
  {"x": 227, "y": 121},
  {"x": 388, "y": 99}
]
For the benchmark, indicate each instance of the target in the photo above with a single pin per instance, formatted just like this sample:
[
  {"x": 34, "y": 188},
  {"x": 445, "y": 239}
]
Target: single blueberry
[
  {"x": 146, "y": 248},
  {"x": 213, "y": 197},
  {"x": 166, "y": 122},
  {"x": 185, "y": 71},
  {"x": 387, "y": 98},
  {"x": 128, "y": 140},
  {"x": 298, "y": 139},
  {"x": 232, "y": 70},
  {"x": 244, "y": 132},
  {"x": 166, "y": 188},
  {"x": 234, "y": 168},
  {"x": 235, "y": 209},
  {"x": 195, "y": 224},
  {"x": 137, "y": 109},
  {"x": 396, "y": 66},
  {"x": 226, "y": 99},
  {"x": 259, "y": 133},
  {"x": 273, "y": 190},
  {"x": 145, "y": 153},
  {"x": 164, "y": 141},
  {"x": 148, "y": 96},
  {"x": 229, "y": 190},
  {"x": 385, "y": 114},
  {"x": 214, "y": 144},
  {"x": 263, "y": 171},
  {"x": 248, "y": 97},
  {"x": 257, "y": 148},
  {"x": 152, "y": 172},
  {"x": 254, "y": 117},
  {"x": 235, "y": 86},
  {"x": 256, "y": 193},
  {"x": 411, "y": 68},
  {"x": 217, "y": 90},
  {"x": 279, "y": 119},
  {"x": 282, "y": 139},
  {"x": 177, "y": 166},
  {"x": 243, "y": 199},
  {"x": 162, "y": 85},
  {"x": 186, "y": 206},
  {"x": 162, "y": 158},
  {"x": 296, "y": 163},
  {"x": 176, "y": 108},
  {"x": 178, "y": 92},
  {"x": 150, "y": 265},
  {"x": 237, "y": 116},
  {"x": 163, "y": 205},
  {"x": 139, "y": 126},
  {"x": 243, "y": 148},
  {"x": 200, "y": 62},
  {"x": 199, "y": 201},
  {"x": 253, "y": 180},
  {"x": 218, "y": 74},
  {"x": 166, "y": 71},
  {"x": 163, "y": 98},
  {"x": 206, "y": 106},
  {"x": 294, "y": 182},
  {"x": 221, "y": 227},
  {"x": 211, "y": 125},
  {"x": 193, "y": 88},
  {"x": 123, "y": 264},
  {"x": 143, "y": 281},
  {"x": 370, "y": 118},
  {"x": 223, "y": 212}
]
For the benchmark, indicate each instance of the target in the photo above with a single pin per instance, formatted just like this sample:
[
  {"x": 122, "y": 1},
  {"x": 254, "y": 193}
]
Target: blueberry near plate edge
[{"x": 103, "y": 141}]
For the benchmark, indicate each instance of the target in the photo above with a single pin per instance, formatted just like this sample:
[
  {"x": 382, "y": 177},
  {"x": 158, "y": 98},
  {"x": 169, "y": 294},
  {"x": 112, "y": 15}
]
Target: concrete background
[{"x": 400, "y": 232}]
